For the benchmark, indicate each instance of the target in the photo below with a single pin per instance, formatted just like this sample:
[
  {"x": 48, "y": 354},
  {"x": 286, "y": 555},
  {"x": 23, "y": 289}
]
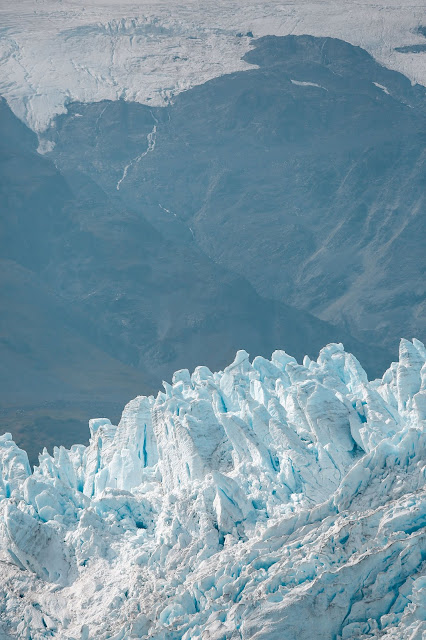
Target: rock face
[
  {"x": 270, "y": 500},
  {"x": 304, "y": 175},
  {"x": 98, "y": 304}
]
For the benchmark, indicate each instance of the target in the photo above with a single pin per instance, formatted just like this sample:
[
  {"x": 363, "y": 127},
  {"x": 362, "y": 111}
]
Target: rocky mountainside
[
  {"x": 102, "y": 300},
  {"x": 268, "y": 500},
  {"x": 306, "y": 176}
]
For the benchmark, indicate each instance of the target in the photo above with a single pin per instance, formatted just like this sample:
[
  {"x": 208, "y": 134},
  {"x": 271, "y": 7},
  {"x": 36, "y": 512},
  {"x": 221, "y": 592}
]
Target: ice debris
[{"x": 272, "y": 500}]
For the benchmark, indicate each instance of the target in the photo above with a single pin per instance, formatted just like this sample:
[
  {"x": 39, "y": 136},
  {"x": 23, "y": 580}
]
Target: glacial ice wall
[{"x": 271, "y": 500}]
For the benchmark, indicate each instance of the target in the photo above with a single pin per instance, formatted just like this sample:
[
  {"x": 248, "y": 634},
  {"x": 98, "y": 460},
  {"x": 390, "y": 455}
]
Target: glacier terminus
[{"x": 272, "y": 500}]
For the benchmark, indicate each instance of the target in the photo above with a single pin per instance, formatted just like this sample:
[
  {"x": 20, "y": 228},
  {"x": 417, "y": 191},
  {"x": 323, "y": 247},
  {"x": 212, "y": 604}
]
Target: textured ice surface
[
  {"x": 52, "y": 53},
  {"x": 271, "y": 500}
]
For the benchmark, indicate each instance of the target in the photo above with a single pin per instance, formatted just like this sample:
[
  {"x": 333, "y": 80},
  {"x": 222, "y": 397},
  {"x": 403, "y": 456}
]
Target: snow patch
[
  {"x": 383, "y": 88},
  {"x": 151, "y": 138},
  {"x": 45, "y": 146},
  {"x": 299, "y": 83}
]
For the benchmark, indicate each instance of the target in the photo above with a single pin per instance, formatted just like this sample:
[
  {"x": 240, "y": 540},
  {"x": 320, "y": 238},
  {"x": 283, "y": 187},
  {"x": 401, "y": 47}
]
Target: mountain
[
  {"x": 101, "y": 305},
  {"x": 53, "y": 376},
  {"x": 306, "y": 176},
  {"x": 268, "y": 500}
]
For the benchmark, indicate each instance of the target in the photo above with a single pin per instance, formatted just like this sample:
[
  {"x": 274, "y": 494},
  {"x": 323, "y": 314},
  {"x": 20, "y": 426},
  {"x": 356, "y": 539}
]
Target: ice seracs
[
  {"x": 269, "y": 500},
  {"x": 14, "y": 466}
]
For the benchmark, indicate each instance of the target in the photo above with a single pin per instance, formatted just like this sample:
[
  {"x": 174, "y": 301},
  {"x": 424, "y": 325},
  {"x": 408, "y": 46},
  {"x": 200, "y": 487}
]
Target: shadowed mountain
[
  {"x": 304, "y": 175},
  {"x": 98, "y": 305}
]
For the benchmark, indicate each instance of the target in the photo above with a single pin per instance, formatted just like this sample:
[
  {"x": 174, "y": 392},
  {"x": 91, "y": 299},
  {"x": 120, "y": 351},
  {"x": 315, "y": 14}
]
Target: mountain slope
[
  {"x": 52, "y": 377},
  {"x": 305, "y": 176},
  {"x": 106, "y": 305}
]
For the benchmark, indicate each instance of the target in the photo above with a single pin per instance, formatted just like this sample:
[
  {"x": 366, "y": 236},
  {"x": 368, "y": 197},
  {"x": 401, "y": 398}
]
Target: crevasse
[{"x": 271, "y": 500}]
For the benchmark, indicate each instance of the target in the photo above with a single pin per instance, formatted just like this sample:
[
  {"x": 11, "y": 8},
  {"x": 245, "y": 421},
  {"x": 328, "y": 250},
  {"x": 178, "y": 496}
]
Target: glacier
[
  {"x": 271, "y": 500},
  {"x": 54, "y": 53}
]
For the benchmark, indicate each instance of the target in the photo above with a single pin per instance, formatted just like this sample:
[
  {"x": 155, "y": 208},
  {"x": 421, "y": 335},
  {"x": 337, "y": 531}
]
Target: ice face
[
  {"x": 268, "y": 500},
  {"x": 14, "y": 466}
]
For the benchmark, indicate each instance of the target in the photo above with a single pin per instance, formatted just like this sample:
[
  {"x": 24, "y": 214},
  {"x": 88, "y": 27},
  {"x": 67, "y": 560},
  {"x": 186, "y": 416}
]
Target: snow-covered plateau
[
  {"x": 272, "y": 500},
  {"x": 53, "y": 52}
]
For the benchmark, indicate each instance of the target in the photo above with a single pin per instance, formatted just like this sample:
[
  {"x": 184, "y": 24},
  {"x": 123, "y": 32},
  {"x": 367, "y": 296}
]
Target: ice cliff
[{"x": 272, "y": 500}]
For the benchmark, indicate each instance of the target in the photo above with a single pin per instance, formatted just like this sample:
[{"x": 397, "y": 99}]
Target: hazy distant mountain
[
  {"x": 94, "y": 291},
  {"x": 306, "y": 176}
]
